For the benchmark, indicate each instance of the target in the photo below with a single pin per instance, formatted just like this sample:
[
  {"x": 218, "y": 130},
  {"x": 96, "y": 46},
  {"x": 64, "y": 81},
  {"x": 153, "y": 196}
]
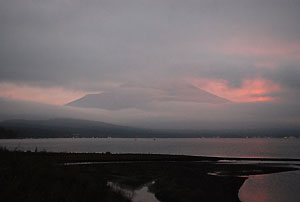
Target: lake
[{"x": 222, "y": 147}]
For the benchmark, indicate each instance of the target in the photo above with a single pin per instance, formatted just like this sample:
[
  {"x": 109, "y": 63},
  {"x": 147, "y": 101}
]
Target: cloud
[
  {"x": 141, "y": 97},
  {"x": 54, "y": 95},
  {"x": 262, "y": 47},
  {"x": 288, "y": 76},
  {"x": 175, "y": 115},
  {"x": 66, "y": 43},
  {"x": 251, "y": 90},
  {"x": 245, "y": 51}
]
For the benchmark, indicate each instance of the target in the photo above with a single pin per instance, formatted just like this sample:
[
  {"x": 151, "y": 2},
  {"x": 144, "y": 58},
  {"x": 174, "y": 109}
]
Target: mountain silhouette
[{"x": 134, "y": 97}]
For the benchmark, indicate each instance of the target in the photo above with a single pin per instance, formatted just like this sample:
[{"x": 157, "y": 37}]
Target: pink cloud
[
  {"x": 55, "y": 96},
  {"x": 251, "y": 90},
  {"x": 261, "y": 47}
]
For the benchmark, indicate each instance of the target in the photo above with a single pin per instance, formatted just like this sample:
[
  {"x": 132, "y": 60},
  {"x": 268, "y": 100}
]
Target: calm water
[
  {"x": 277, "y": 187},
  {"x": 235, "y": 147}
]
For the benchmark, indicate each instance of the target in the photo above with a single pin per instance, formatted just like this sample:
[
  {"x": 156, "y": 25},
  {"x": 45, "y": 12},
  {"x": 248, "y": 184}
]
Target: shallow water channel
[{"x": 141, "y": 194}]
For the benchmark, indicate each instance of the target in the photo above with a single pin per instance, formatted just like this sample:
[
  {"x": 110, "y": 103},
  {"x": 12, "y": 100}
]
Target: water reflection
[
  {"x": 276, "y": 187},
  {"x": 139, "y": 195}
]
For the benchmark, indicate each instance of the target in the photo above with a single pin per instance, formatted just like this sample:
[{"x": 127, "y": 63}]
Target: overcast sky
[{"x": 245, "y": 51}]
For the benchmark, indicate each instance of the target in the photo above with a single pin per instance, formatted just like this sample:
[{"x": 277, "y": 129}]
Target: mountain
[
  {"x": 134, "y": 97},
  {"x": 69, "y": 128},
  {"x": 59, "y": 128},
  {"x": 59, "y": 123}
]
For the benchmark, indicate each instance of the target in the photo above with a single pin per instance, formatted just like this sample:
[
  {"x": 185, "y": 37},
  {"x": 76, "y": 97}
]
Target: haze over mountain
[
  {"x": 133, "y": 97},
  {"x": 60, "y": 128},
  {"x": 169, "y": 64}
]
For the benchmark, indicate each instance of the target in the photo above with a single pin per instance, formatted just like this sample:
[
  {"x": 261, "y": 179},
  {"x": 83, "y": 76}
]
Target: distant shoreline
[
  {"x": 142, "y": 157},
  {"x": 76, "y": 128},
  {"x": 187, "y": 137},
  {"x": 226, "y": 149}
]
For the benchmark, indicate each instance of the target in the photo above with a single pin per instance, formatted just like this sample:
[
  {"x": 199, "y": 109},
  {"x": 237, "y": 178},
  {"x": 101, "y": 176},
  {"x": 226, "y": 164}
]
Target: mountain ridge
[{"x": 70, "y": 128}]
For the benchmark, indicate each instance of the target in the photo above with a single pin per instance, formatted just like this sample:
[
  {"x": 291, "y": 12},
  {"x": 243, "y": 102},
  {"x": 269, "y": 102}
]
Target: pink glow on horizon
[
  {"x": 251, "y": 90},
  {"x": 55, "y": 96}
]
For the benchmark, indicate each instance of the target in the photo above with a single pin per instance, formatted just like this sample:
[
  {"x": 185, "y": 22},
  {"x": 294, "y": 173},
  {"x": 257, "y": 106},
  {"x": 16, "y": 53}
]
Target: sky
[{"x": 244, "y": 51}]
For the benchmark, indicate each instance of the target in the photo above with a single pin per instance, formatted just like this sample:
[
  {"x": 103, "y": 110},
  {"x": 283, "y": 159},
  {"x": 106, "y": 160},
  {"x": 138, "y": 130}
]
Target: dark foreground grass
[{"x": 42, "y": 176}]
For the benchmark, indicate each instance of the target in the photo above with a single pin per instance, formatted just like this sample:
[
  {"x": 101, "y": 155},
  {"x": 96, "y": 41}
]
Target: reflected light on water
[
  {"x": 250, "y": 192},
  {"x": 277, "y": 187}
]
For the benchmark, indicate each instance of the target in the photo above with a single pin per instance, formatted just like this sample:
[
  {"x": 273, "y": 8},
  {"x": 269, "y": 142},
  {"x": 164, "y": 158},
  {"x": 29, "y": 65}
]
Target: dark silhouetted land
[{"x": 43, "y": 176}]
